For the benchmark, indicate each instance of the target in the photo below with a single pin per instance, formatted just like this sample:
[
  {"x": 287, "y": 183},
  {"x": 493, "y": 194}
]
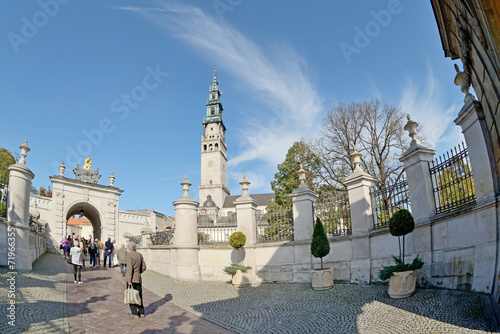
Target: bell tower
[{"x": 213, "y": 150}]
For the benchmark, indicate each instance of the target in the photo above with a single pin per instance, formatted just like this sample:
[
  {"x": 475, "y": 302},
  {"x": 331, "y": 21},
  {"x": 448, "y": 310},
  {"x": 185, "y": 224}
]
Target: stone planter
[
  {"x": 241, "y": 280},
  {"x": 322, "y": 279},
  {"x": 402, "y": 284}
]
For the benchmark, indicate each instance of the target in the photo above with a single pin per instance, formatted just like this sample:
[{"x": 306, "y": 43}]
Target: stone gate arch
[{"x": 70, "y": 196}]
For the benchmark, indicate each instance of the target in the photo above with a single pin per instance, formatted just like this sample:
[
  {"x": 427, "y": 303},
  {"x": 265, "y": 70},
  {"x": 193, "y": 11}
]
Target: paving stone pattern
[
  {"x": 40, "y": 298},
  {"x": 47, "y": 301},
  {"x": 296, "y": 308}
]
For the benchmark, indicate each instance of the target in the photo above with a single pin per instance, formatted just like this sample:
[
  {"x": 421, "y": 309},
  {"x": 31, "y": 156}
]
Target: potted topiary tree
[
  {"x": 322, "y": 278},
  {"x": 402, "y": 277},
  {"x": 241, "y": 276}
]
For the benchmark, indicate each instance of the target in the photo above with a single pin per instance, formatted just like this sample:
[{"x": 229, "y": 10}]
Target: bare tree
[{"x": 373, "y": 130}]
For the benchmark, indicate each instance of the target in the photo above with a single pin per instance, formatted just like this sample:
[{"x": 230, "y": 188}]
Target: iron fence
[
  {"x": 275, "y": 225},
  {"x": 335, "y": 214},
  {"x": 213, "y": 228},
  {"x": 137, "y": 239},
  {"x": 452, "y": 180},
  {"x": 387, "y": 200},
  {"x": 3, "y": 196},
  {"x": 162, "y": 238}
]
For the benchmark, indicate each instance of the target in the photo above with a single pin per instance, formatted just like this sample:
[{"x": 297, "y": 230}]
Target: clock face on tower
[{"x": 210, "y": 163}]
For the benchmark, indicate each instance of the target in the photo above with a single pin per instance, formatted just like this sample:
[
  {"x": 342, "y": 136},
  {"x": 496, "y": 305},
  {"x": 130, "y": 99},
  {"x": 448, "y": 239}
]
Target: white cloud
[{"x": 278, "y": 75}]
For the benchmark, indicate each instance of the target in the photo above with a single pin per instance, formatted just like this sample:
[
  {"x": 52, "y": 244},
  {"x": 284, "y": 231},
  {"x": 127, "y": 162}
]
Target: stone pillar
[
  {"x": 246, "y": 208},
  {"x": 20, "y": 177},
  {"x": 304, "y": 200},
  {"x": 416, "y": 160},
  {"x": 482, "y": 161},
  {"x": 358, "y": 188},
  {"x": 186, "y": 236}
]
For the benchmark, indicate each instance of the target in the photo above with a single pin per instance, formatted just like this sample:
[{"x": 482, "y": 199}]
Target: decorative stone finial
[
  {"x": 461, "y": 81},
  {"x": 411, "y": 127},
  {"x": 24, "y": 151},
  {"x": 302, "y": 176},
  {"x": 185, "y": 186},
  {"x": 355, "y": 158},
  {"x": 215, "y": 71},
  {"x": 112, "y": 179},
  {"x": 62, "y": 168},
  {"x": 244, "y": 185}
]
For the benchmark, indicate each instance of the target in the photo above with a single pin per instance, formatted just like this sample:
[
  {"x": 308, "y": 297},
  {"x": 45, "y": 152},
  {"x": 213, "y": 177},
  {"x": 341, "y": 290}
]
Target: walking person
[
  {"x": 83, "y": 246},
  {"x": 108, "y": 248},
  {"x": 76, "y": 254},
  {"x": 121, "y": 254},
  {"x": 93, "y": 248},
  {"x": 135, "y": 267},
  {"x": 65, "y": 246},
  {"x": 99, "y": 251},
  {"x": 113, "y": 253}
]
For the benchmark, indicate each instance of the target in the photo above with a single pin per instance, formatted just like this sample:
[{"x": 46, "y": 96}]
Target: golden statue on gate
[{"x": 88, "y": 164}]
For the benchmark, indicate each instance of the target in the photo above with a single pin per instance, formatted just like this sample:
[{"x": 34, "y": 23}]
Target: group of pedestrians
[{"x": 131, "y": 262}]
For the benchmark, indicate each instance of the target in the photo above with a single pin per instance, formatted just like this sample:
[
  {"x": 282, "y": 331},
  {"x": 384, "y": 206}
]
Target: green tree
[
  {"x": 286, "y": 179},
  {"x": 6, "y": 159},
  {"x": 320, "y": 246},
  {"x": 456, "y": 185}
]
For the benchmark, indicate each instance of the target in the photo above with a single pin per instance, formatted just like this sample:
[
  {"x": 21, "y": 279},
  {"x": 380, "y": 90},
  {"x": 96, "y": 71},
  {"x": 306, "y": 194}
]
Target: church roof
[{"x": 261, "y": 199}]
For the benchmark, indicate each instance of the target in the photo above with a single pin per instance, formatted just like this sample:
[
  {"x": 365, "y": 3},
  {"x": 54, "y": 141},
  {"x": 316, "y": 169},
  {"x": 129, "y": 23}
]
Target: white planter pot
[
  {"x": 241, "y": 280},
  {"x": 322, "y": 279},
  {"x": 402, "y": 284}
]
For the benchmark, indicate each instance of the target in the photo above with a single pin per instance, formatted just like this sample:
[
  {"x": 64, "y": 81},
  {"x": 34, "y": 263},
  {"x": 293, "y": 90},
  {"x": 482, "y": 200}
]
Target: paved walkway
[{"x": 47, "y": 301}]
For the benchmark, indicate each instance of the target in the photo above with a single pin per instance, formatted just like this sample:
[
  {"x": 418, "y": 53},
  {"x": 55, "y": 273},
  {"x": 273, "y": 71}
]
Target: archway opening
[{"x": 83, "y": 220}]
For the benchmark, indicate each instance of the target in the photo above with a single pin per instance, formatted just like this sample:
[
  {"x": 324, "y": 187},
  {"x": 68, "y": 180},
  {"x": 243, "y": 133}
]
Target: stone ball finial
[
  {"x": 112, "y": 179},
  {"x": 302, "y": 175},
  {"x": 411, "y": 127},
  {"x": 461, "y": 81},
  {"x": 62, "y": 168},
  {"x": 244, "y": 185},
  {"x": 185, "y": 186},
  {"x": 355, "y": 158},
  {"x": 24, "y": 151}
]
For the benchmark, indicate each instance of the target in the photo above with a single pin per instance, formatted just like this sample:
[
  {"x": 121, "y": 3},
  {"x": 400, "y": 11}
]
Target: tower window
[
  {"x": 212, "y": 111},
  {"x": 205, "y": 147},
  {"x": 210, "y": 147},
  {"x": 210, "y": 181},
  {"x": 216, "y": 146}
]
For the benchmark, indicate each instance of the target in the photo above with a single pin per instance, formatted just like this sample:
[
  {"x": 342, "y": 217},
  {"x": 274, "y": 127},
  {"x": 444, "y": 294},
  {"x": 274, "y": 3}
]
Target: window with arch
[
  {"x": 205, "y": 147},
  {"x": 212, "y": 111},
  {"x": 216, "y": 146},
  {"x": 210, "y": 147}
]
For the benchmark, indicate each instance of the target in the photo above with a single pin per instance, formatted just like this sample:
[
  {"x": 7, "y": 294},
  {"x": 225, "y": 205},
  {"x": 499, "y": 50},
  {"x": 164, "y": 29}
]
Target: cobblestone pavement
[
  {"x": 296, "y": 308},
  {"x": 40, "y": 298},
  {"x": 47, "y": 301}
]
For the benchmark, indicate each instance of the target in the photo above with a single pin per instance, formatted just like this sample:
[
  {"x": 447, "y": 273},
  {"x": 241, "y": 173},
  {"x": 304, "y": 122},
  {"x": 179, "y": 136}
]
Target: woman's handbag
[
  {"x": 69, "y": 260},
  {"x": 131, "y": 296}
]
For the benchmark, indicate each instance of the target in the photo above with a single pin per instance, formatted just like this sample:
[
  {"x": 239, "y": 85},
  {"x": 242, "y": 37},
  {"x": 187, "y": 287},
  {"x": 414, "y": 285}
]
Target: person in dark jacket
[
  {"x": 108, "y": 248},
  {"x": 135, "y": 267},
  {"x": 93, "y": 248}
]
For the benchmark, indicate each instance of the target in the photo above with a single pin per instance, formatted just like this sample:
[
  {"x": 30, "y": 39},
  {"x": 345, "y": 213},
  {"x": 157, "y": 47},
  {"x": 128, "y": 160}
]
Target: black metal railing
[
  {"x": 275, "y": 225},
  {"x": 213, "y": 228},
  {"x": 387, "y": 200},
  {"x": 162, "y": 238},
  {"x": 335, "y": 214},
  {"x": 452, "y": 180},
  {"x": 137, "y": 239}
]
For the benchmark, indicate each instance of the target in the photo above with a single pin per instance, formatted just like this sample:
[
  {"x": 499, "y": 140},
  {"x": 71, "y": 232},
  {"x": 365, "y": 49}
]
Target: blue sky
[{"x": 126, "y": 83}]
